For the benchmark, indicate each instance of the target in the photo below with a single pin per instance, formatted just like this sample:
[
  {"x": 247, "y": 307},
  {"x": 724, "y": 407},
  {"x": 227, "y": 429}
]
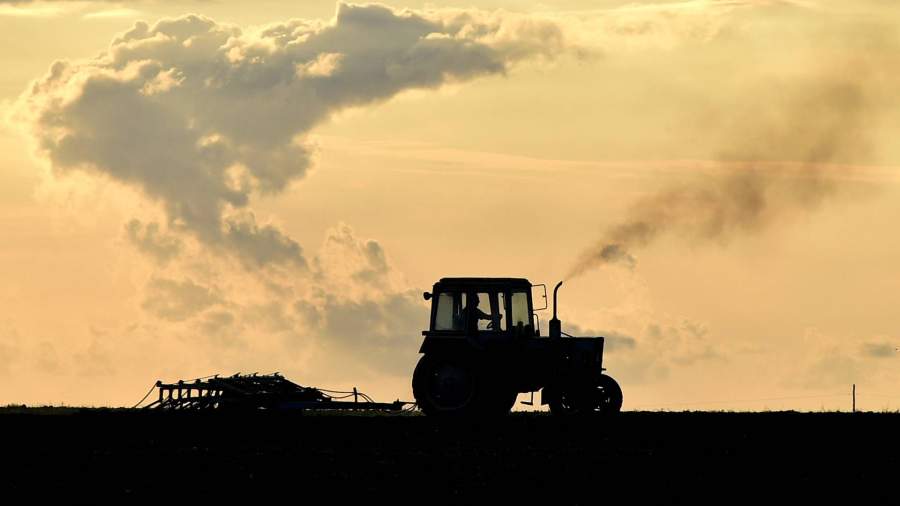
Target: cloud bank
[
  {"x": 202, "y": 116},
  {"x": 354, "y": 308}
]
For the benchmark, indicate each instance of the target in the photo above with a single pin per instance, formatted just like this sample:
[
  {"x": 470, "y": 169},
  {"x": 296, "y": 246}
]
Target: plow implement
[{"x": 251, "y": 391}]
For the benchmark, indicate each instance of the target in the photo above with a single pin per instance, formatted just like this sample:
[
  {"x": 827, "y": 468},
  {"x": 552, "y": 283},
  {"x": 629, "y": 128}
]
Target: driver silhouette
[{"x": 473, "y": 314}]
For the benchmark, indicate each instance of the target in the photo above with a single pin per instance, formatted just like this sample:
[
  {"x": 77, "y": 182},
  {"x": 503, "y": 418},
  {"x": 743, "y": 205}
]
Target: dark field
[{"x": 120, "y": 456}]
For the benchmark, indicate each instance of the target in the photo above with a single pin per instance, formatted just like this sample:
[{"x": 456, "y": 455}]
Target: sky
[{"x": 191, "y": 188}]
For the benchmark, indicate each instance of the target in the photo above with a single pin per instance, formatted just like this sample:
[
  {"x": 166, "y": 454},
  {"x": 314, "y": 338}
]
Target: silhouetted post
[
  {"x": 354, "y": 395},
  {"x": 854, "y": 397}
]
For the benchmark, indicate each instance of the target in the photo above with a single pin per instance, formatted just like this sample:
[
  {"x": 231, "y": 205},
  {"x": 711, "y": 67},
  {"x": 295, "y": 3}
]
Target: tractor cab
[{"x": 490, "y": 308}]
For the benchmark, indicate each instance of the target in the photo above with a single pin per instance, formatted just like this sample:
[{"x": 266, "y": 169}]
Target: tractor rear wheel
[
  {"x": 445, "y": 386},
  {"x": 457, "y": 386}
]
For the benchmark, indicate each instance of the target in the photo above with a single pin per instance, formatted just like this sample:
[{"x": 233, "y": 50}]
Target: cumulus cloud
[
  {"x": 354, "y": 307},
  {"x": 201, "y": 116},
  {"x": 345, "y": 258},
  {"x": 361, "y": 308},
  {"x": 376, "y": 264},
  {"x": 613, "y": 341},
  {"x": 879, "y": 350},
  {"x": 651, "y": 351},
  {"x": 653, "y": 348},
  {"x": 385, "y": 331},
  {"x": 175, "y": 300},
  {"x": 221, "y": 328},
  {"x": 836, "y": 360},
  {"x": 149, "y": 239}
]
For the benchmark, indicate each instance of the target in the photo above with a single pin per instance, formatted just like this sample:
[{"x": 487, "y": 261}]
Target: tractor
[{"x": 484, "y": 347}]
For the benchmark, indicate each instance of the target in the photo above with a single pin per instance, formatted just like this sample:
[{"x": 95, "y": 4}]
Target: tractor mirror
[
  {"x": 536, "y": 293},
  {"x": 426, "y": 296}
]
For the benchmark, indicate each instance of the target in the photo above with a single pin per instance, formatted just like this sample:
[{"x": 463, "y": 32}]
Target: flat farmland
[{"x": 92, "y": 456}]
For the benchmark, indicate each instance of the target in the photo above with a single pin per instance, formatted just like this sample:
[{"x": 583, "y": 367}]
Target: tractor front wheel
[
  {"x": 609, "y": 396},
  {"x": 604, "y": 398}
]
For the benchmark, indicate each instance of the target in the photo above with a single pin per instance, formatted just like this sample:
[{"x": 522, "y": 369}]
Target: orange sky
[{"x": 271, "y": 188}]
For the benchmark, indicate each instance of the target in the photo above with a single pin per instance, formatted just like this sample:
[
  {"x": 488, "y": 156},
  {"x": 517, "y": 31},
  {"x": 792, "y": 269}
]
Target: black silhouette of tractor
[{"x": 483, "y": 348}]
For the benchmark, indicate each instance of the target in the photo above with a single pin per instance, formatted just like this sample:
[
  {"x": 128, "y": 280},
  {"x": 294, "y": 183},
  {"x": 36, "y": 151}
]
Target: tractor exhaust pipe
[{"x": 555, "y": 325}]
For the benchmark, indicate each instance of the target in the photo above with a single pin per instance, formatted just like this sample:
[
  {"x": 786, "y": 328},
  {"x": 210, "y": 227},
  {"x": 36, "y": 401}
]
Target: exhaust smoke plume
[{"x": 781, "y": 161}]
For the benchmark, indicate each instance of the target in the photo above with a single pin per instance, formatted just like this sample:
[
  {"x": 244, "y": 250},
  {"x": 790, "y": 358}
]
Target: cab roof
[{"x": 473, "y": 282}]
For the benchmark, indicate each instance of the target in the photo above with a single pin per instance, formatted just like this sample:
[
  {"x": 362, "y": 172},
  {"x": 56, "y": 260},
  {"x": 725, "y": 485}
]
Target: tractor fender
[{"x": 449, "y": 346}]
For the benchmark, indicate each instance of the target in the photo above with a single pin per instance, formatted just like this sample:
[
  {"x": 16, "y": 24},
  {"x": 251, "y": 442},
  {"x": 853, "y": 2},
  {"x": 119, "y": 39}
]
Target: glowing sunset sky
[{"x": 189, "y": 188}]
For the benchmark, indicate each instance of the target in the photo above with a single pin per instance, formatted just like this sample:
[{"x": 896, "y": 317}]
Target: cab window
[
  {"x": 501, "y": 309},
  {"x": 521, "y": 317},
  {"x": 449, "y": 311}
]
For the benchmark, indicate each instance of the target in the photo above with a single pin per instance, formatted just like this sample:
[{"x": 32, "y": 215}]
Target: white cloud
[
  {"x": 113, "y": 13},
  {"x": 179, "y": 108},
  {"x": 31, "y": 11}
]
